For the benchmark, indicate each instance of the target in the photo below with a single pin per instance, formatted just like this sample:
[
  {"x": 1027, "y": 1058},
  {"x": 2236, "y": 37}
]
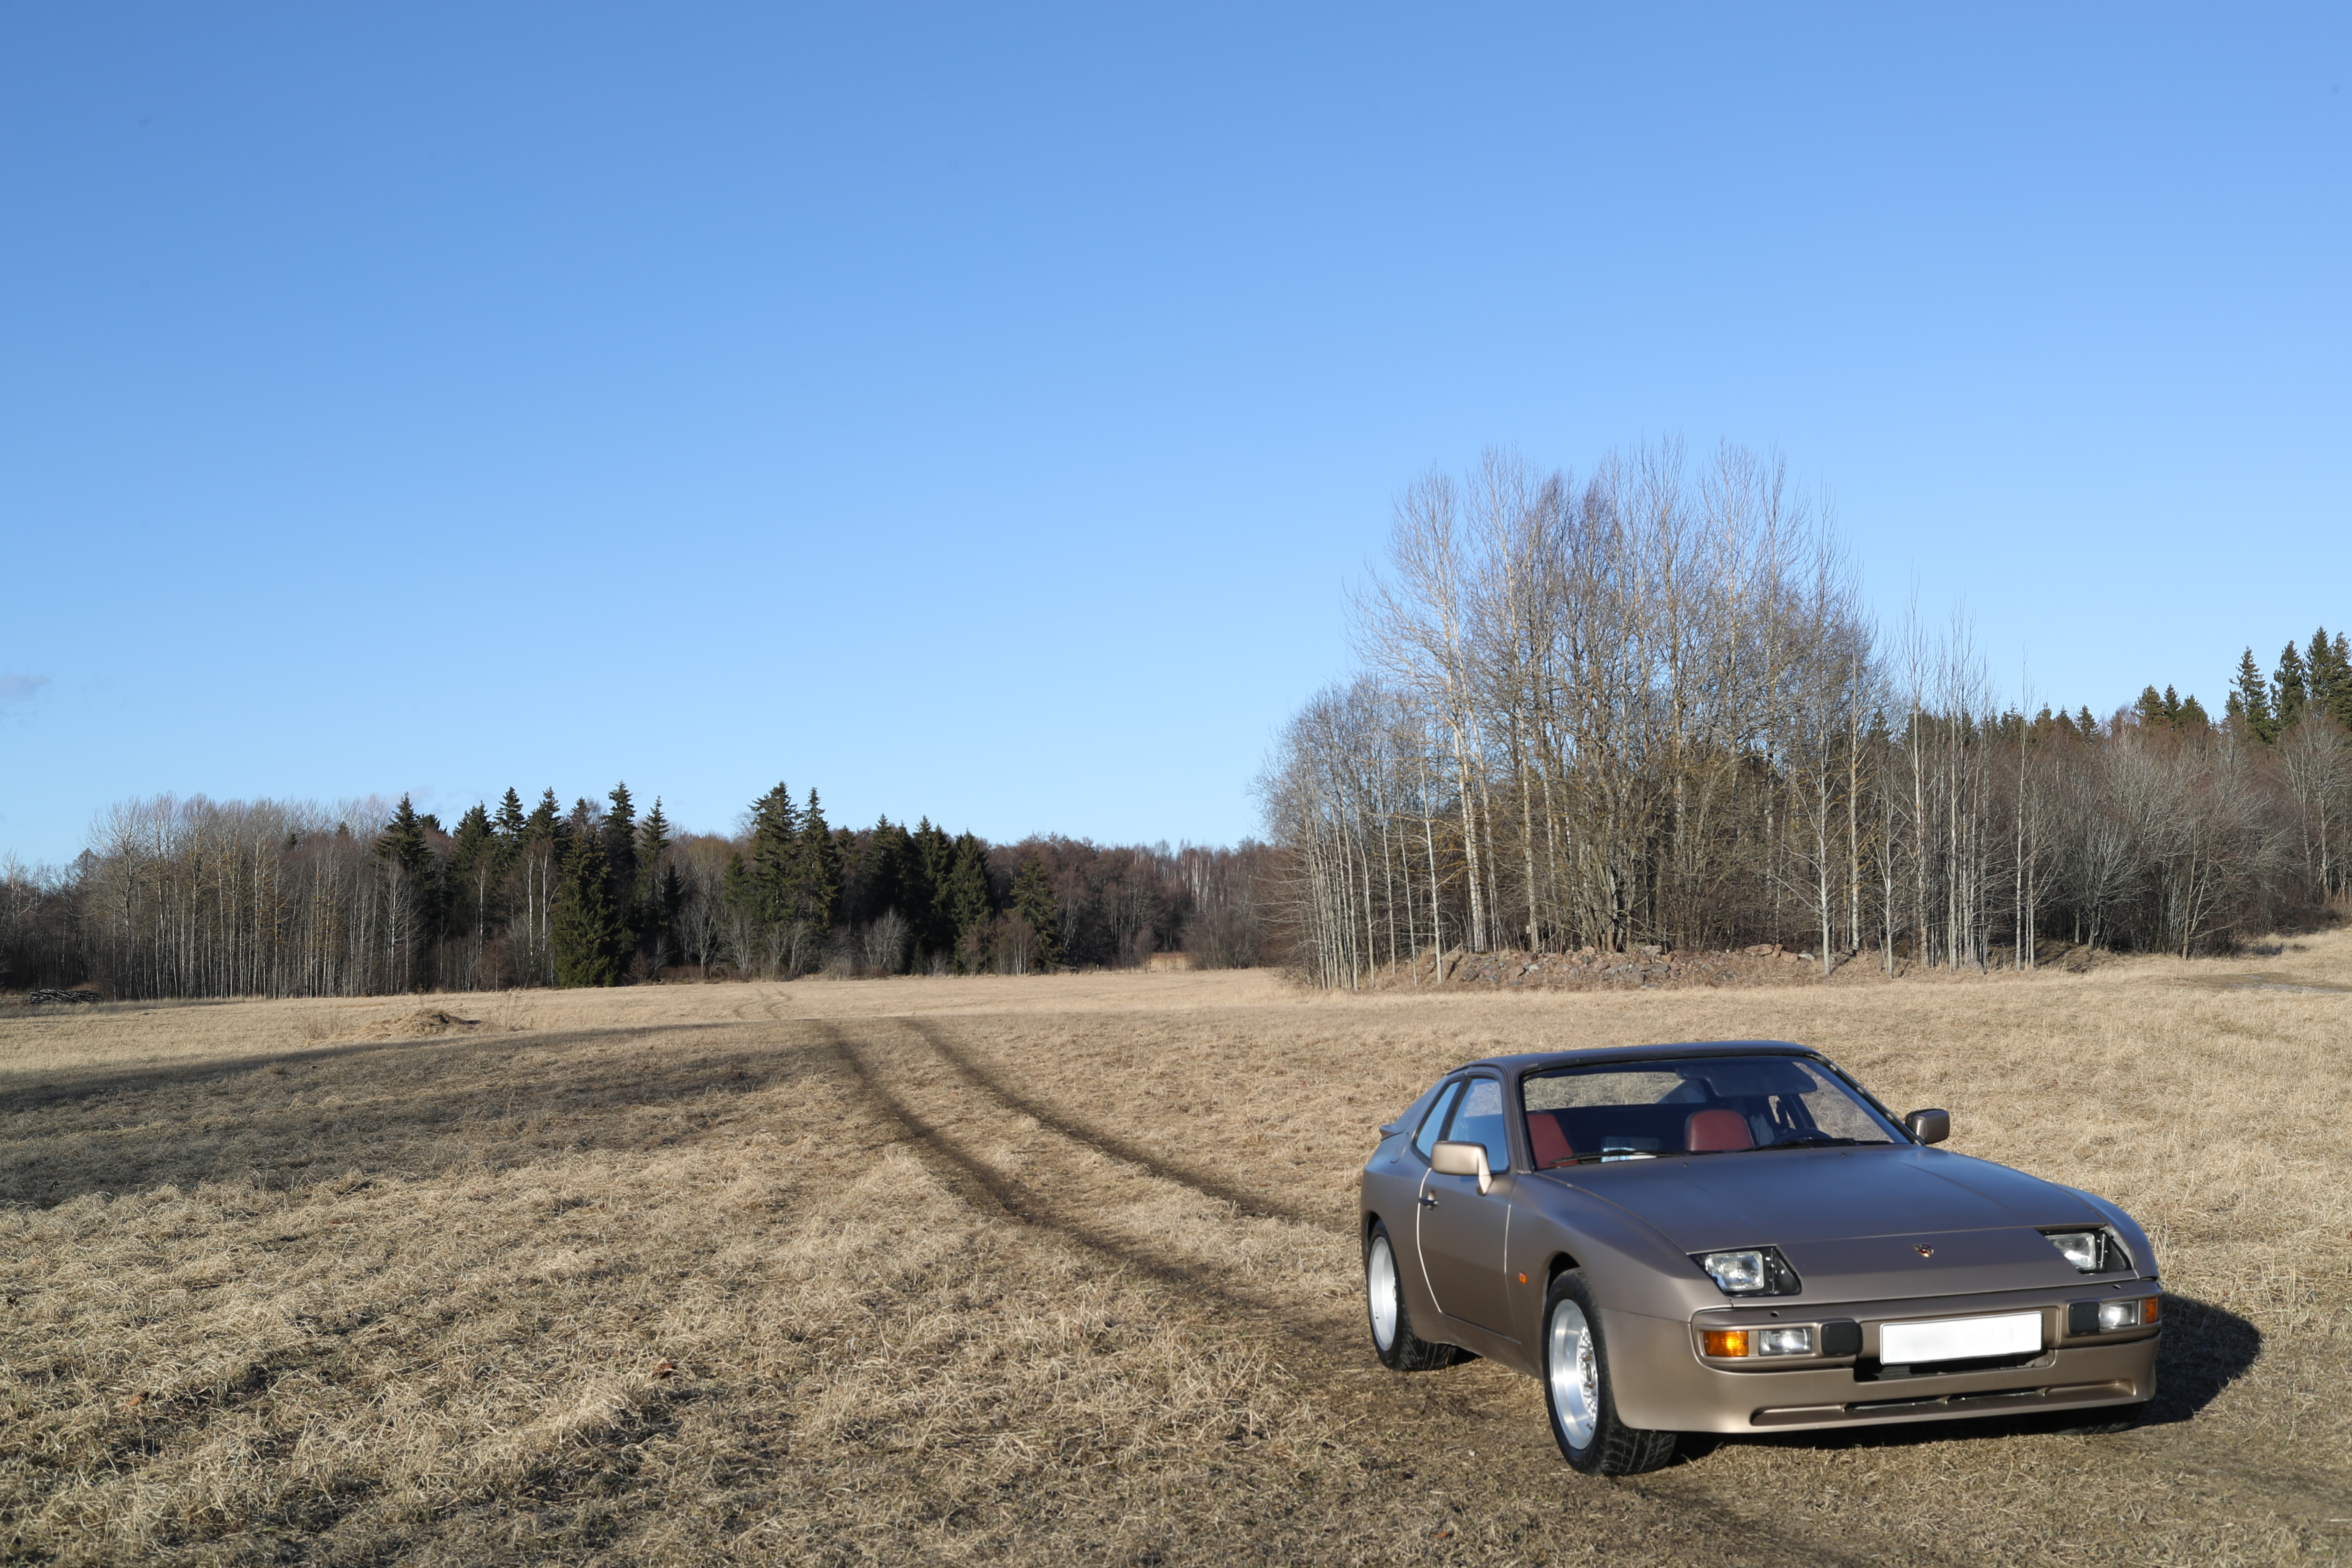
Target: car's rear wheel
[
  {"x": 1577, "y": 1390},
  {"x": 1400, "y": 1349}
]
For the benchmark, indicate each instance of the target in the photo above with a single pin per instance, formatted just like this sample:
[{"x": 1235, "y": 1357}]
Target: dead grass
[{"x": 1047, "y": 1270}]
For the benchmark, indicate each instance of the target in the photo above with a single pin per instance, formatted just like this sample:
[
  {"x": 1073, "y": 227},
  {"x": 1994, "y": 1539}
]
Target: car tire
[
  {"x": 1577, "y": 1395},
  {"x": 1393, "y": 1341}
]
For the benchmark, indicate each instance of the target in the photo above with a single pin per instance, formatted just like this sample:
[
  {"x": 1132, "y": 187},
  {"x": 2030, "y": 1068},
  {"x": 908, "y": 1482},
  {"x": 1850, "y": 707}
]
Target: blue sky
[{"x": 981, "y": 413}]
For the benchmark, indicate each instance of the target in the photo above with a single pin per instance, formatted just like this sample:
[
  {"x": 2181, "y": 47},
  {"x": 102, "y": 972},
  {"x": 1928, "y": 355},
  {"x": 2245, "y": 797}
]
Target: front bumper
[{"x": 1662, "y": 1383}]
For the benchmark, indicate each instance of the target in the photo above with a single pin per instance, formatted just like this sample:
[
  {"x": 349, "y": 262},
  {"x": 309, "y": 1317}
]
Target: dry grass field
[{"x": 1053, "y": 1270}]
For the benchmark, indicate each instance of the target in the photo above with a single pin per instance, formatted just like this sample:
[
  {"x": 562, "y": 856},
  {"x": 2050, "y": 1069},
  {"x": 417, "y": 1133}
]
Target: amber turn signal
[{"x": 1725, "y": 1341}]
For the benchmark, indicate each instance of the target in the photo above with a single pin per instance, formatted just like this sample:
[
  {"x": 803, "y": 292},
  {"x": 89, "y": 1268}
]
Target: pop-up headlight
[
  {"x": 2090, "y": 1251},
  {"x": 1750, "y": 1272}
]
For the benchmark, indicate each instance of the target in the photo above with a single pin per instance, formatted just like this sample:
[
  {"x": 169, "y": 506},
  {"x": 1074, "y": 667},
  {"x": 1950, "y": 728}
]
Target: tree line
[
  {"x": 201, "y": 898},
  {"x": 1648, "y": 706}
]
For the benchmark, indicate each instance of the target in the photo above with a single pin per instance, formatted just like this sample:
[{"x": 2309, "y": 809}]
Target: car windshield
[{"x": 1693, "y": 1105}]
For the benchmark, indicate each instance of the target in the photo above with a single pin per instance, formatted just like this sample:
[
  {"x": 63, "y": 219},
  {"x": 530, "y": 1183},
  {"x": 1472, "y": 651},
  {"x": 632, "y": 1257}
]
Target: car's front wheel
[
  {"x": 1577, "y": 1393},
  {"x": 1400, "y": 1349}
]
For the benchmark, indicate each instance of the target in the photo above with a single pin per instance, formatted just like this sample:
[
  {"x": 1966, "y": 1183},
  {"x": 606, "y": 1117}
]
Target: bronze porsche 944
[{"x": 1736, "y": 1237}]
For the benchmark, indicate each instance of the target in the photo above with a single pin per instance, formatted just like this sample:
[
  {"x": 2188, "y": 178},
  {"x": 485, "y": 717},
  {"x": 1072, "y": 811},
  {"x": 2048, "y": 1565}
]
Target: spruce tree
[
  {"x": 402, "y": 842},
  {"x": 545, "y": 825},
  {"x": 763, "y": 889},
  {"x": 2339, "y": 704},
  {"x": 1032, "y": 896},
  {"x": 621, "y": 853},
  {"x": 591, "y": 944},
  {"x": 510, "y": 816},
  {"x": 2251, "y": 700},
  {"x": 416, "y": 890},
  {"x": 476, "y": 865},
  {"x": 656, "y": 908},
  {"x": 966, "y": 892},
  {"x": 934, "y": 924},
  {"x": 819, "y": 879},
  {"x": 2192, "y": 715},
  {"x": 2328, "y": 676},
  {"x": 883, "y": 871},
  {"x": 2290, "y": 689},
  {"x": 2086, "y": 724},
  {"x": 654, "y": 837},
  {"x": 2150, "y": 709}
]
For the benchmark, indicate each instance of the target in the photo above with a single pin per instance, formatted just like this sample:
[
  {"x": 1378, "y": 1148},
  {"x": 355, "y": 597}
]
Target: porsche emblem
[{"x": 1925, "y": 1251}]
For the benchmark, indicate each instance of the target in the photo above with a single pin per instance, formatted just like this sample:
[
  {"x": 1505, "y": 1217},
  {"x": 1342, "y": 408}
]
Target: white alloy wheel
[
  {"x": 1381, "y": 1292},
  {"x": 1575, "y": 1374}
]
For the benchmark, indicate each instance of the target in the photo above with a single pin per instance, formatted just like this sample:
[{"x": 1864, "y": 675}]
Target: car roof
[{"x": 1594, "y": 1055}]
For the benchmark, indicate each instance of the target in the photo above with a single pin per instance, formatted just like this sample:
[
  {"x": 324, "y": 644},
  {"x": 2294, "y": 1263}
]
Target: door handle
[{"x": 1429, "y": 1200}]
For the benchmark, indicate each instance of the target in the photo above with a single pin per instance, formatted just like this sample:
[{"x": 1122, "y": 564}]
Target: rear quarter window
[{"x": 1433, "y": 1126}]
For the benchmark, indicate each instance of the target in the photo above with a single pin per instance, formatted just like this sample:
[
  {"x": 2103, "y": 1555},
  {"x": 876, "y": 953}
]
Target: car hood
[{"x": 1854, "y": 1221}]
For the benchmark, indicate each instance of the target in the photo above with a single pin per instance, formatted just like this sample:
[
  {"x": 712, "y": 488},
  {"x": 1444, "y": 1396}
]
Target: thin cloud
[{"x": 20, "y": 688}]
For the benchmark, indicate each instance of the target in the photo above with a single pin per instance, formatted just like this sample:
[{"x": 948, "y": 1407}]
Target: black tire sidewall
[
  {"x": 1616, "y": 1449},
  {"x": 1571, "y": 1286}
]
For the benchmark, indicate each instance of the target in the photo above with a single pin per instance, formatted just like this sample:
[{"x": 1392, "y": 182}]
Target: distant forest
[
  {"x": 1642, "y": 707},
  {"x": 200, "y": 897},
  {"x": 1647, "y": 707}
]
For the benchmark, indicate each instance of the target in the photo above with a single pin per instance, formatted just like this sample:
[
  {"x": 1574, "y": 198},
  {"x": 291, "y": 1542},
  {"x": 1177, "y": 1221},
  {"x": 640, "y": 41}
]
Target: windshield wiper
[{"x": 1821, "y": 1140}]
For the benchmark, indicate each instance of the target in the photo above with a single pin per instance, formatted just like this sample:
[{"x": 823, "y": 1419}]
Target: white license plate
[{"x": 1958, "y": 1338}]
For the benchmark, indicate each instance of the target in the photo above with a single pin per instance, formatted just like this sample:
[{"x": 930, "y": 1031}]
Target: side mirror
[
  {"x": 1930, "y": 1126},
  {"x": 1461, "y": 1159}
]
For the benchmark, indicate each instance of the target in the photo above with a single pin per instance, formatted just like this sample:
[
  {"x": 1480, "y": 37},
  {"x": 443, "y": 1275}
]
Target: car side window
[
  {"x": 1478, "y": 1119},
  {"x": 1433, "y": 1124}
]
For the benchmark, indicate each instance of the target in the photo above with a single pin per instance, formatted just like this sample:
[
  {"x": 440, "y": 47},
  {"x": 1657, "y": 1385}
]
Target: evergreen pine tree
[
  {"x": 935, "y": 927},
  {"x": 966, "y": 893},
  {"x": 653, "y": 839},
  {"x": 591, "y": 944},
  {"x": 2172, "y": 706},
  {"x": 672, "y": 898},
  {"x": 763, "y": 889},
  {"x": 621, "y": 853},
  {"x": 820, "y": 871},
  {"x": 2290, "y": 689},
  {"x": 1032, "y": 896},
  {"x": 2339, "y": 705},
  {"x": 545, "y": 825},
  {"x": 2150, "y": 709},
  {"x": 2192, "y": 715},
  {"x": 416, "y": 890},
  {"x": 402, "y": 842},
  {"x": 2086, "y": 724},
  {"x": 883, "y": 868},
  {"x": 510, "y": 816},
  {"x": 476, "y": 867},
  {"x": 2251, "y": 700},
  {"x": 2327, "y": 675}
]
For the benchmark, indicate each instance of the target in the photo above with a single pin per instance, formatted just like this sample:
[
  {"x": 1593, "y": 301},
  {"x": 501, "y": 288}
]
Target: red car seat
[
  {"x": 1546, "y": 1139},
  {"x": 1716, "y": 1131}
]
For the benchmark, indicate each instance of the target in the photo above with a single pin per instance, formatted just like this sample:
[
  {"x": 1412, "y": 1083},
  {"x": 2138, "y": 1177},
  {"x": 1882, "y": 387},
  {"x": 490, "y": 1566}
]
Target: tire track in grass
[
  {"x": 1425, "y": 1415},
  {"x": 1117, "y": 1148},
  {"x": 973, "y": 1176}
]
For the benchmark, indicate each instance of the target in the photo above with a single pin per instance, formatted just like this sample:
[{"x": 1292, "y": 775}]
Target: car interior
[{"x": 1717, "y": 1107}]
